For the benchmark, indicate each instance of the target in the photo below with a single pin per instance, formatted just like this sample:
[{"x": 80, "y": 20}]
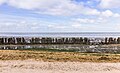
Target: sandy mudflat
[{"x": 30, "y": 66}]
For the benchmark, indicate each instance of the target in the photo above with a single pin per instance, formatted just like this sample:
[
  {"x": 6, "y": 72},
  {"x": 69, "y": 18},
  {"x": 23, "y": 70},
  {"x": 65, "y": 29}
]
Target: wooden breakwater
[{"x": 57, "y": 40}]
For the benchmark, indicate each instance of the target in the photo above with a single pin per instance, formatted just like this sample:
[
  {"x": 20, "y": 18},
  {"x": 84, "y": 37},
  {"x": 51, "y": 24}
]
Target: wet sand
[{"x": 32, "y": 66}]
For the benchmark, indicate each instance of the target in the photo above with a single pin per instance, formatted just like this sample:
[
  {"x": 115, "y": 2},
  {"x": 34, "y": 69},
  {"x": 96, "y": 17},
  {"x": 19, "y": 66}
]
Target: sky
[{"x": 59, "y": 15}]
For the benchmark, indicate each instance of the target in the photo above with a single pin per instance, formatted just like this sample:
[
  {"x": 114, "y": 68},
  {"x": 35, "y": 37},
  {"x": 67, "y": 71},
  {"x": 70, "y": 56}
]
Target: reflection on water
[{"x": 78, "y": 48}]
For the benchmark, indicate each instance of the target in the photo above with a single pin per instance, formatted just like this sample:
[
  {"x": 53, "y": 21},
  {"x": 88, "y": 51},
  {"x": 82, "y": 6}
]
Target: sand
[{"x": 31, "y": 66}]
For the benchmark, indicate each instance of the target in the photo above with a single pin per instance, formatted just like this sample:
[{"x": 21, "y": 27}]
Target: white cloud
[
  {"x": 89, "y": 11},
  {"x": 53, "y": 7},
  {"x": 76, "y": 25},
  {"x": 2, "y": 1},
  {"x": 31, "y": 4},
  {"x": 88, "y": 21},
  {"x": 117, "y": 27},
  {"x": 67, "y": 7},
  {"x": 96, "y": 20},
  {"x": 80, "y": 20},
  {"x": 109, "y": 13},
  {"x": 63, "y": 7},
  {"x": 110, "y": 3},
  {"x": 54, "y": 26}
]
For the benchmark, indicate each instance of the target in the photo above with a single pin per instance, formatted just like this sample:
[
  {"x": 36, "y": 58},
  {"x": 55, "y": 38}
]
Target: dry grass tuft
[{"x": 57, "y": 56}]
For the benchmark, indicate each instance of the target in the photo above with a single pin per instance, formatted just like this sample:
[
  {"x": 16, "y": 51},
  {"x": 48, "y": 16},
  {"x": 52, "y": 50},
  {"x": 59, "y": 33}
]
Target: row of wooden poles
[{"x": 57, "y": 40}]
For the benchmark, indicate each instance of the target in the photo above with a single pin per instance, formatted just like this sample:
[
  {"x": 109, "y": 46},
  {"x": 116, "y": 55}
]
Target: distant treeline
[{"x": 57, "y": 40}]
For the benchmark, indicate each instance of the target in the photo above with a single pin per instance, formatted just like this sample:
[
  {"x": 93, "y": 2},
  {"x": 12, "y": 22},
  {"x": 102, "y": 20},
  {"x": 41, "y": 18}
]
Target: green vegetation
[{"x": 53, "y": 50}]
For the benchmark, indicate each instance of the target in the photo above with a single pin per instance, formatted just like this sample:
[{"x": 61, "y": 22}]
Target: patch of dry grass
[{"x": 57, "y": 56}]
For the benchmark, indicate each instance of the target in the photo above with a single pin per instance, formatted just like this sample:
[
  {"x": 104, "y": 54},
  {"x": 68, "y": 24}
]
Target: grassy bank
[{"x": 57, "y": 56}]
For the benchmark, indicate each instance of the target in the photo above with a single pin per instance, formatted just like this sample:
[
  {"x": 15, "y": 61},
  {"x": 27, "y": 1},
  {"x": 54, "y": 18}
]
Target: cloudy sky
[{"x": 59, "y": 15}]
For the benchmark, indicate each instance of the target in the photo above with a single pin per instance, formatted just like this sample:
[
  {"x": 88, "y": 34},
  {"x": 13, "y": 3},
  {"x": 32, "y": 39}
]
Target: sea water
[{"x": 63, "y": 34}]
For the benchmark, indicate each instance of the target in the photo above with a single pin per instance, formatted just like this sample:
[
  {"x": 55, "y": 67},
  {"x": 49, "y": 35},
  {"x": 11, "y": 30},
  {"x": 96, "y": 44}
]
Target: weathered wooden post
[
  {"x": 49, "y": 40},
  {"x": 5, "y": 40},
  {"x": 32, "y": 40},
  {"x": 19, "y": 40},
  {"x": 11, "y": 40},
  {"x": 72, "y": 40},
  {"x": 53, "y": 40},
  {"x": 43, "y": 41},
  {"x": 1, "y": 41},
  {"x": 77, "y": 41},
  {"x": 81, "y": 40},
  {"x": 118, "y": 40},
  {"x": 67, "y": 41},
  {"x": 62, "y": 40},
  {"x": 110, "y": 40},
  {"x": 86, "y": 41},
  {"x": 23, "y": 40},
  {"x": 114, "y": 41},
  {"x": 37, "y": 40},
  {"x": 106, "y": 40}
]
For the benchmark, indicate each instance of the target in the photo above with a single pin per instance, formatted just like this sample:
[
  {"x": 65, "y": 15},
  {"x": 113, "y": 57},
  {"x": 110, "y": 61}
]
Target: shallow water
[{"x": 77, "y": 48}]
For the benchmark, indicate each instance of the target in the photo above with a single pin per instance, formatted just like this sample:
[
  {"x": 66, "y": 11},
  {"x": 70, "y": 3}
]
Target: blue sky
[{"x": 59, "y": 15}]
